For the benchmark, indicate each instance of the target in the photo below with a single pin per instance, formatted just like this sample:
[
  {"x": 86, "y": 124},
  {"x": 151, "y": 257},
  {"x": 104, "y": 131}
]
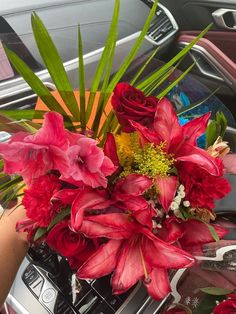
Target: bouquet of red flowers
[
  {"x": 133, "y": 197},
  {"x": 137, "y": 207}
]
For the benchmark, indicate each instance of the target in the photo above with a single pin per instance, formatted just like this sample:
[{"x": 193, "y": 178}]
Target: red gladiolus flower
[
  {"x": 132, "y": 258},
  {"x": 201, "y": 188},
  {"x": 227, "y": 306},
  {"x": 33, "y": 155},
  {"x": 37, "y": 199},
  {"x": 88, "y": 164},
  {"x": 130, "y": 103}
]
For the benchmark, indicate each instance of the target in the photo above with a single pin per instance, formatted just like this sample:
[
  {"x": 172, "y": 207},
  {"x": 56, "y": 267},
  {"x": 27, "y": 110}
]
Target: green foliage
[
  {"x": 60, "y": 216},
  {"x": 215, "y": 291},
  {"x": 54, "y": 65},
  {"x": 207, "y": 305},
  {"x": 39, "y": 233},
  {"x": 34, "y": 82},
  {"x": 172, "y": 85},
  {"x": 216, "y": 128},
  {"x": 173, "y": 61},
  {"x": 81, "y": 82},
  {"x": 213, "y": 232},
  {"x": 197, "y": 104}
]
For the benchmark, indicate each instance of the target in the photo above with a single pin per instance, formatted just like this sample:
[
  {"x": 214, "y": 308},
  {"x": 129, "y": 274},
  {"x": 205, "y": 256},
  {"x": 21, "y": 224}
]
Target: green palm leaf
[
  {"x": 81, "y": 82},
  {"x": 34, "y": 82},
  {"x": 103, "y": 61},
  {"x": 133, "y": 51},
  {"x": 54, "y": 64},
  {"x": 165, "y": 67}
]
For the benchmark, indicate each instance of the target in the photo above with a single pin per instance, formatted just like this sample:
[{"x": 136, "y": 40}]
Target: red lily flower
[
  {"x": 140, "y": 256},
  {"x": 180, "y": 142},
  {"x": 128, "y": 196},
  {"x": 87, "y": 200}
]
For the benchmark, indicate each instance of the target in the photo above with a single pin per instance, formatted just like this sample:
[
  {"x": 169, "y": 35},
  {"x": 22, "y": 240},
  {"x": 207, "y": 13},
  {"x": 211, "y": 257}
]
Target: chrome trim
[
  {"x": 6, "y": 308},
  {"x": 25, "y": 89},
  {"x": 145, "y": 304},
  {"x": 173, "y": 22},
  {"x": 224, "y": 75},
  {"x": 201, "y": 68},
  {"x": 69, "y": 66},
  {"x": 16, "y": 101},
  {"x": 16, "y": 305},
  {"x": 130, "y": 297},
  {"x": 163, "y": 302},
  {"x": 218, "y": 17}
]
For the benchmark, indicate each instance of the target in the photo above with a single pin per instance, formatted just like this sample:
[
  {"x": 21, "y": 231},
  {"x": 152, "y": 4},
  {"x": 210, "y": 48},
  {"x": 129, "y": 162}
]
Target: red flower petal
[
  {"x": 166, "y": 190},
  {"x": 51, "y": 133},
  {"x": 159, "y": 285},
  {"x": 146, "y": 136},
  {"x": 171, "y": 230},
  {"x": 169, "y": 256},
  {"x": 134, "y": 184},
  {"x": 197, "y": 232},
  {"x": 196, "y": 127},
  {"x": 129, "y": 268},
  {"x": 110, "y": 149},
  {"x": 166, "y": 123},
  {"x": 66, "y": 196},
  {"x": 199, "y": 157},
  {"x": 114, "y": 226},
  {"x": 86, "y": 200},
  {"x": 102, "y": 262}
]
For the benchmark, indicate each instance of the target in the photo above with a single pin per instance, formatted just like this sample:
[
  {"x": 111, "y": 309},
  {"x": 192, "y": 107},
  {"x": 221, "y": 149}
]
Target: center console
[{"x": 45, "y": 284}]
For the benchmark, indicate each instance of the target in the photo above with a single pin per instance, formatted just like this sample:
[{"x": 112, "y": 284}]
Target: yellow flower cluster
[{"x": 150, "y": 160}]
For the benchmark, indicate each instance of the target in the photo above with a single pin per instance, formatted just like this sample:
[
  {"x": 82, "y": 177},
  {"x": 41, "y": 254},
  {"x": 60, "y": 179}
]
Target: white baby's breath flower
[
  {"x": 177, "y": 200},
  {"x": 186, "y": 203},
  {"x": 181, "y": 194},
  {"x": 174, "y": 206},
  {"x": 181, "y": 188}
]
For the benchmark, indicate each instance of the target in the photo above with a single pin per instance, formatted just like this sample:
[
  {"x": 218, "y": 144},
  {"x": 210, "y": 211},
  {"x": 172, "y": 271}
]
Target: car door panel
[{"x": 215, "y": 55}]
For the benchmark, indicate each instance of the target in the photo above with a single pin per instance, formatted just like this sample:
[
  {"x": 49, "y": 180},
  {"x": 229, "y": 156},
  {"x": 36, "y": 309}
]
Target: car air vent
[{"x": 163, "y": 25}]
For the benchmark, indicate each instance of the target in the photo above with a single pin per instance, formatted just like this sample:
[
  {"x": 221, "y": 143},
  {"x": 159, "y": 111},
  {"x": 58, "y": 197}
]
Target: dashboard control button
[{"x": 48, "y": 295}]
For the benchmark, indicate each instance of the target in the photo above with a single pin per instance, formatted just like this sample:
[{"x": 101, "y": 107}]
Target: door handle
[{"x": 225, "y": 18}]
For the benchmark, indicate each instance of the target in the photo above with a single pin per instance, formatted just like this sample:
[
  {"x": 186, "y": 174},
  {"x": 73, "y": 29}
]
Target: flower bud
[{"x": 219, "y": 149}]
